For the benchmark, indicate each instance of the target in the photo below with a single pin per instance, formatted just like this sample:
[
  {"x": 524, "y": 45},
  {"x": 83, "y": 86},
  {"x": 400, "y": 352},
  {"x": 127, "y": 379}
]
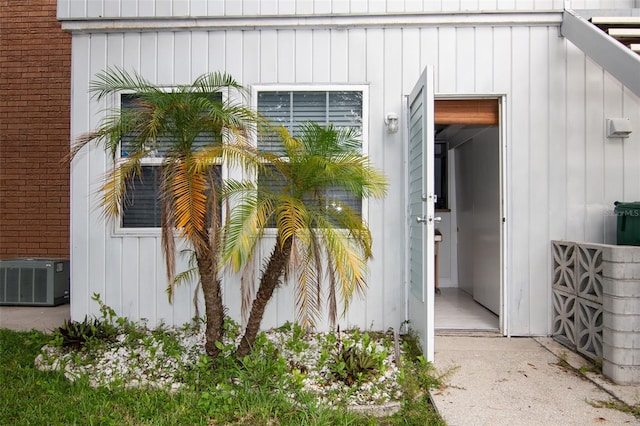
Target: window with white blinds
[
  {"x": 163, "y": 144},
  {"x": 142, "y": 207},
  {"x": 292, "y": 109}
]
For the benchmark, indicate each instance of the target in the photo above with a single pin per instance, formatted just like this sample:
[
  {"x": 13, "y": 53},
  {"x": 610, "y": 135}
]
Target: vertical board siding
[
  {"x": 575, "y": 118},
  {"x": 594, "y": 149},
  {"x": 465, "y": 57},
  {"x": 520, "y": 178},
  {"x": 483, "y": 60},
  {"x": 268, "y": 64},
  {"x": 68, "y": 9},
  {"x": 373, "y": 72},
  {"x": 562, "y": 173},
  {"x": 129, "y": 304},
  {"x": 286, "y": 57},
  {"x": 631, "y": 148},
  {"x": 386, "y": 287},
  {"x": 539, "y": 67},
  {"x": 557, "y": 117},
  {"x": 97, "y": 164},
  {"x": 251, "y": 56},
  {"x": 613, "y": 159},
  {"x": 446, "y": 80},
  {"x": 79, "y": 170},
  {"x": 199, "y": 54}
]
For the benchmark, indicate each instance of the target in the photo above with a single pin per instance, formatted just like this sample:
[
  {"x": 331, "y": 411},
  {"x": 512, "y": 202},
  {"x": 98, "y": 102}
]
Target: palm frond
[
  {"x": 307, "y": 295},
  {"x": 349, "y": 264},
  {"x": 216, "y": 81},
  {"x": 332, "y": 299},
  {"x": 189, "y": 201},
  {"x": 292, "y": 146},
  {"x": 291, "y": 216},
  {"x": 116, "y": 184},
  {"x": 247, "y": 288},
  {"x": 244, "y": 228},
  {"x": 182, "y": 278},
  {"x": 191, "y": 274},
  {"x": 168, "y": 240},
  {"x": 116, "y": 79}
]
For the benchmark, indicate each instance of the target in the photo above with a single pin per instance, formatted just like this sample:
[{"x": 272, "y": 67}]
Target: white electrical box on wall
[
  {"x": 34, "y": 282},
  {"x": 618, "y": 127}
]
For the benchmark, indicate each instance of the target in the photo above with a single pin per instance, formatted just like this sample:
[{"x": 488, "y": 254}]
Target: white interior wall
[{"x": 478, "y": 217}]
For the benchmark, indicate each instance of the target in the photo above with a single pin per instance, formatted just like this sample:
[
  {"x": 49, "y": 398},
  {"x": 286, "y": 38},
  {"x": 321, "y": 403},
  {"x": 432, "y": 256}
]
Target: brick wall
[{"x": 35, "y": 74}]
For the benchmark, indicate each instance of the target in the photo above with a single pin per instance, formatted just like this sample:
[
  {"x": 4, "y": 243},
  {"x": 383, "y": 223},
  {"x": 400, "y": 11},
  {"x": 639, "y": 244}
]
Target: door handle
[{"x": 422, "y": 219}]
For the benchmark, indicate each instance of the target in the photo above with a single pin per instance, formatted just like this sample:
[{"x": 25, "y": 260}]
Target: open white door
[{"x": 421, "y": 200}]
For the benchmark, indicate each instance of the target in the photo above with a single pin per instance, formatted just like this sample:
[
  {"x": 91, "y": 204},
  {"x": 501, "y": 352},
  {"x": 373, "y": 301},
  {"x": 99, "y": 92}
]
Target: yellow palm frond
[
  {"x": 114, "y": 187},
  {"x": 309, "y": 278},
  {"x": 189, "y": 202},
  {"x": 307, "y": 296},
  {"x": 169, "y": 246},
  {"x": 291, "y": 217},
  {"x": 349, "y": 266},
  {"x": 113, "y": 191},
  {"x": 244, "y": 229}
]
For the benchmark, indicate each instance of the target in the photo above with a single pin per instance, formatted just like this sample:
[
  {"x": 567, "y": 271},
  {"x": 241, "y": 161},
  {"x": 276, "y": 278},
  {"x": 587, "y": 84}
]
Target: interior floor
[{"x": 456, "y": 310}]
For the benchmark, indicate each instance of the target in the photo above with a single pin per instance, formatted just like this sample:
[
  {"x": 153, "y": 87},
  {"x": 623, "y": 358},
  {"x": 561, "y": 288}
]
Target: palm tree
[
  {"x": 195, "y": 130},
  {"x": 314, "y": 227}
]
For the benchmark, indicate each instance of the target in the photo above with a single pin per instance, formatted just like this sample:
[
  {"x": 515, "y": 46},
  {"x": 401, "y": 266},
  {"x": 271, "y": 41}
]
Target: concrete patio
[
  {"x": 523, "y": 381},
  {"x": 25, "y": 318}
]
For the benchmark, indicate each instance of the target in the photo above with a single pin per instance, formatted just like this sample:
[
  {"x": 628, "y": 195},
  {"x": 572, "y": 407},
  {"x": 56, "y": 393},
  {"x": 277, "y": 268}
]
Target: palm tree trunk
[
  {"x": 214, "y": 309},
  {"x": 268, "y": 283}
]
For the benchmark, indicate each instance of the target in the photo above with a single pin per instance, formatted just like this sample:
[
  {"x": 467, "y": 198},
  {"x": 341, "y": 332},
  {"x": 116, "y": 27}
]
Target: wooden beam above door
[{"x": 467, "y": 111}]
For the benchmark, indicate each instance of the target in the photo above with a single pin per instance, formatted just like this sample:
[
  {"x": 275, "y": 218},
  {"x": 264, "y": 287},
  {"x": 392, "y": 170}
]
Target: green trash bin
[{"x": 628, "y": 227}]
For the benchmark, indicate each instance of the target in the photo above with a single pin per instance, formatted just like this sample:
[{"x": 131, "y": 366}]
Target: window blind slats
[
  {"x": 273, "y": 182},
  {"x": 143, "y": 210},
  {"x": 163, "y": 142},
  {"x": 293, "y": 109},
  {"x": 345, "y": 109}
]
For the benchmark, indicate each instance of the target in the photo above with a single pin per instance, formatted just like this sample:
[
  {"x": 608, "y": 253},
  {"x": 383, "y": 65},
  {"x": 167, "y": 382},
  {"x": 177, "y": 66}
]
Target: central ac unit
[{"x": 34, "y": 282}]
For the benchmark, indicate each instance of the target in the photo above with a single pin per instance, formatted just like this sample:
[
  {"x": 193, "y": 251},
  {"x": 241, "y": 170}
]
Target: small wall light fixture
[
  {"x": 618, "y": 127},
  {"x": 391, "y": 121}
]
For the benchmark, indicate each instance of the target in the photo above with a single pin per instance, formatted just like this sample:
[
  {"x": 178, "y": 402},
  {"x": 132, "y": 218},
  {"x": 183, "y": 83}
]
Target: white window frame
[
  {"x": 363, "y": 88},
  {"x": 117, "y": 229}
]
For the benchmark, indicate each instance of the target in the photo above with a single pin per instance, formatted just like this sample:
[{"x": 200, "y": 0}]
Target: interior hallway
[{"x": 456, "y": 310}]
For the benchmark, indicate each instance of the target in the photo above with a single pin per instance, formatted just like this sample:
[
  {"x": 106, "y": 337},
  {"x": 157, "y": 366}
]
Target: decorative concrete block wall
[
  {"x": 596, "y": 304},
  {"x": 577, "y": 296},
  {"x": 621, "y": 306}
]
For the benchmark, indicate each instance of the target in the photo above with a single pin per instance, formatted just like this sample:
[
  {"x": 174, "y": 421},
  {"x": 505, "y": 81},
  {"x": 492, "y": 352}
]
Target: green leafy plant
[
  {"x": 297, "y": 343},
  {"x": 352, "y": 364},
  {"x": 78, "y": 334}
]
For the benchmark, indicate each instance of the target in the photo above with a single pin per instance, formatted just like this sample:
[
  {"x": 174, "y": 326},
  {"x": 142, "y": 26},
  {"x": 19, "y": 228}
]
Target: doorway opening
[{"x": 468, "y": 166}]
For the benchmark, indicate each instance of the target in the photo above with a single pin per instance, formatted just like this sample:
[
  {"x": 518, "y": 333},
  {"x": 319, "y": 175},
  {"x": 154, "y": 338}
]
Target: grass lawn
[{"x": 250, "y": 395}]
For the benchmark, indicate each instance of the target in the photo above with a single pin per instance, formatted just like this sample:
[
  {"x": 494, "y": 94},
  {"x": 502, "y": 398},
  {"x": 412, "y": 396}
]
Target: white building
[{"x": 529, "y": 159}]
